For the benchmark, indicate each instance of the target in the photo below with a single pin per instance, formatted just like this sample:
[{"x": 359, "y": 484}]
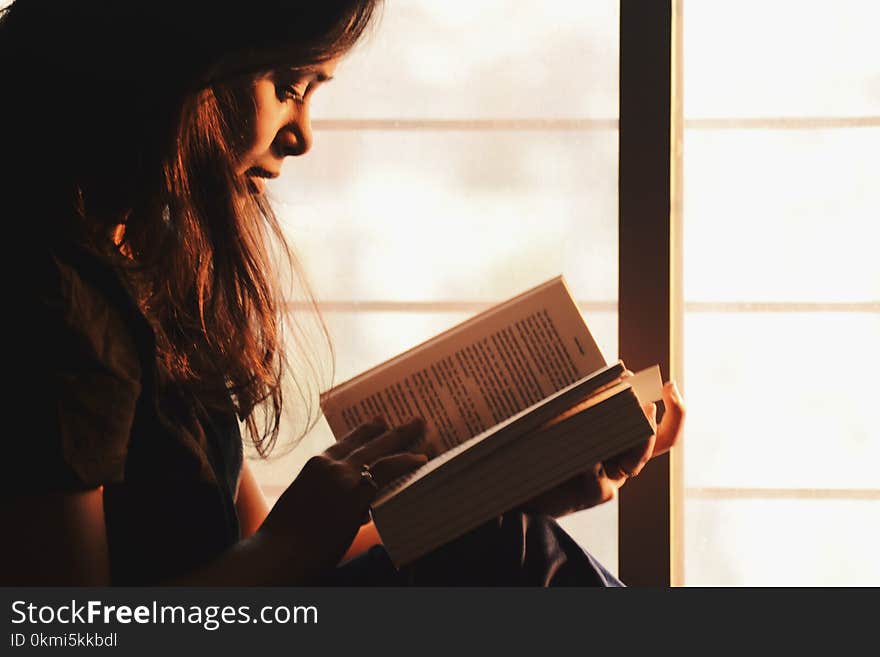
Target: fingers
[
  {"x": 601, "y": 486},
  {"x": 582, "y": 491},
  {"x": 672, "y": 425},
  {"x": 381, "y": 473},
  {"x": 397, "y": 440},
  {"x": 650, "y": 410},
  {"x": 389, "y": 468},
  {"x": 357, "y": 437},
  {"x": 630, "y": 462}
]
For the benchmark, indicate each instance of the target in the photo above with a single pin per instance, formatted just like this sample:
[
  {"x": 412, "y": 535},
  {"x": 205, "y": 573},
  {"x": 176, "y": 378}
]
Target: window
[
  {"x": 781, "y": 291},
  {"x": 470, "y": 150}
]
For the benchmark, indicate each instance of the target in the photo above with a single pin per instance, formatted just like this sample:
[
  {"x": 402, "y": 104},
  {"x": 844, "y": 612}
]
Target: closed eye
[
  {"x": 296, "y": 84},
  {"x": 296, "y": 92}
]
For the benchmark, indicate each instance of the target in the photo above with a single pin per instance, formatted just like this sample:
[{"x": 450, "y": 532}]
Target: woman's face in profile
[{"x": 280, "y": 126}]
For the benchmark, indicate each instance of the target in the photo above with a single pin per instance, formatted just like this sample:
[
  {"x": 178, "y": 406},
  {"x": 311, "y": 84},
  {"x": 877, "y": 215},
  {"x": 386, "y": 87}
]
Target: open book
[{"x": 516, "y": 400}]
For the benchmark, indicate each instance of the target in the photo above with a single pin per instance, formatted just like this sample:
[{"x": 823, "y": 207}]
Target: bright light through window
[{"x": 782, "y": 292}]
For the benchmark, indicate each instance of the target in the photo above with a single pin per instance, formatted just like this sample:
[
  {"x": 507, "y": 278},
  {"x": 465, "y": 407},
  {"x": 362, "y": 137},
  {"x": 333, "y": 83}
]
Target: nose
[{"x": 297, "y": 134}]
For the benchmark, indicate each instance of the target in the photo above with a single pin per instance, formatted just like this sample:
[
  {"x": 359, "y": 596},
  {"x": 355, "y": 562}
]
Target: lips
[{"x": 257, "y": 177}]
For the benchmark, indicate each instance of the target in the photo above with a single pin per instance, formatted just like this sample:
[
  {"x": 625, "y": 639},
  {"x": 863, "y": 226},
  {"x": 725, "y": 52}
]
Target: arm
[
  {"x": 366, "y": 538},
  {"x": 253, "y": 509},
  {"x": 250, "y": 503},
  {"x": 62, "y": 538},
  {"x": 308, "y": 529},
  {"x": 56, "y": 539}
]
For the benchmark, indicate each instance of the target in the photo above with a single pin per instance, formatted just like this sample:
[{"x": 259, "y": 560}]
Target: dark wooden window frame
[{"x": 649, "y": 278}]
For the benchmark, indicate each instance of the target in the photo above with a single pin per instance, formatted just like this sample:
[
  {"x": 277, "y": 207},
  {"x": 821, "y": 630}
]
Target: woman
[{"x": 136, "y": 140}]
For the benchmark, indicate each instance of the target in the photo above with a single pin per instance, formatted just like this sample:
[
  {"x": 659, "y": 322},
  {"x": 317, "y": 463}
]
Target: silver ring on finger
[{"x": 367, "y": 475}]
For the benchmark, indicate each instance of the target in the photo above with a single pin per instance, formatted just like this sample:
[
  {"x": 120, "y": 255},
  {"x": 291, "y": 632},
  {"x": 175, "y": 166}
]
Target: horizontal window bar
[
  {"x": 783, "y": 493},
  {"x": 452, "y": 306},
  {"x": 465, "y": 124},
  {"x": 783, "y": 123},
  {"x": 782, "y": 307},
  {"x": 427, "y": 306},
  {"x": 549, "y": 125}
]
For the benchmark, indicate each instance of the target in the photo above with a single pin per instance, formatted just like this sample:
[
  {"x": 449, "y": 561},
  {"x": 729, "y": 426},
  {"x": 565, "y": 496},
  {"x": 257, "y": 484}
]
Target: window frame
[{"x": 650, "y": 310}]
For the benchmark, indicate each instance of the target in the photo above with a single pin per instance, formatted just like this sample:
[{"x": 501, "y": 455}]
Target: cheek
[
  {"x": 262, "y": 126},
  {"x": 265, "y": 127}
]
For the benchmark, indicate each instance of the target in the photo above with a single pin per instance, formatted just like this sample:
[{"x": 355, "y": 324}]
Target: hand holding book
[{"x": 602, "y": 481}]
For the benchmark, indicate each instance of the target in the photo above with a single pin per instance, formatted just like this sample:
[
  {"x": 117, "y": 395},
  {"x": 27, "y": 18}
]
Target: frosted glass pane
[
  {"x": 485, "y": 59},
  {"x": 782, "y": 215},
  {"x": 760, "y": 542},
  {"x": 454, "y": 215},
  {"x": 782, "y": 400},
  {"x": 780, "y": 403},
  {"x": 781, "y": 58}
]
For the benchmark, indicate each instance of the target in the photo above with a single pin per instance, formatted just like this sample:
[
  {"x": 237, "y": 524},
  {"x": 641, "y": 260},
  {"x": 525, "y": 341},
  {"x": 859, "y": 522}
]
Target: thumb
[
  {"x": 650, "y": 410},
  {"x": 672, "y": 426}
]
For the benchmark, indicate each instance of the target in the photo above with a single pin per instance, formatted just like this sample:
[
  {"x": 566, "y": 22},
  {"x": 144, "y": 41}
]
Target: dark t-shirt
[{"x": 95, "y": 415}]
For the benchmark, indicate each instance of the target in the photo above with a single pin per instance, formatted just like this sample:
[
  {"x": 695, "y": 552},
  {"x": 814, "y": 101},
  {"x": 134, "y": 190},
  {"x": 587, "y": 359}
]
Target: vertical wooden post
[{"x": 645, "y": 274}]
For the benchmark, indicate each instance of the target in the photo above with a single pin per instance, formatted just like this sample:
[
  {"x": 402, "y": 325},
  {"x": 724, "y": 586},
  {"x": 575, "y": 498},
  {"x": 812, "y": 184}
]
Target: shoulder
[
  {"x": 82, "y": 315},
  {"x": 77, "y": 369}
]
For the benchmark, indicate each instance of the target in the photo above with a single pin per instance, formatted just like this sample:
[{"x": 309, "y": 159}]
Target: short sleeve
[{"x": 82, "y": 381}]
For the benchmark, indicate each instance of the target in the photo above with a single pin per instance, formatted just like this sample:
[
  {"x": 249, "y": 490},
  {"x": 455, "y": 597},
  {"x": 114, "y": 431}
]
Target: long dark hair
[{"x": 122, "y": 113}]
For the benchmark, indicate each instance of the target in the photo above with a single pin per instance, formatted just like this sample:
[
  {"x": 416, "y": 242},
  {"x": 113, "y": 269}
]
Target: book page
[{"x": 478, "y": 373}]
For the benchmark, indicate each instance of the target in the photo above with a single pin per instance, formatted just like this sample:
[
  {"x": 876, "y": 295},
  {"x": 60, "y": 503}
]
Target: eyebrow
[{"x": 319, "y": 76}]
